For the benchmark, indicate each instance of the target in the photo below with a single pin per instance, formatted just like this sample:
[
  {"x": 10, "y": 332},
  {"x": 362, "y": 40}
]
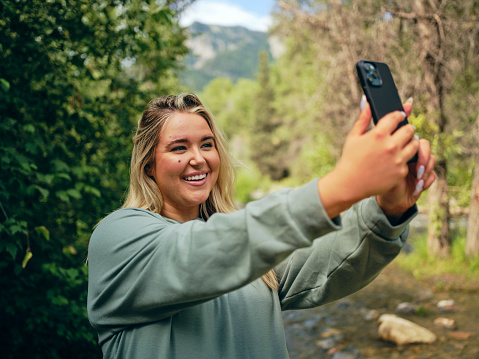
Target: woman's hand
[
  {"x": 374, "y": 163},
  {"x": 420, "y": 177}
]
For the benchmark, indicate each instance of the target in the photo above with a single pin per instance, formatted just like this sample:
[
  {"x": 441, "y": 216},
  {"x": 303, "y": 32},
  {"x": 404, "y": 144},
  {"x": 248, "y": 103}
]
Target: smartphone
[{"x": 380, "y": 90}]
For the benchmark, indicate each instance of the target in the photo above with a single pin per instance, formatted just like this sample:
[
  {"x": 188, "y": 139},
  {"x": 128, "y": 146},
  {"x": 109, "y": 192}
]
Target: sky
[{"x": 252, "y": 14}]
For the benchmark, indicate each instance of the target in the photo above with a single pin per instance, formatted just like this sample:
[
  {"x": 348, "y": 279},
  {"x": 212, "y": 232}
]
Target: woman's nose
[{"x": 197, "y": 159}]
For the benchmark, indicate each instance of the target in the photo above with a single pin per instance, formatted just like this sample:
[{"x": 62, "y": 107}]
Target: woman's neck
[{"x": 180, "y": 215}]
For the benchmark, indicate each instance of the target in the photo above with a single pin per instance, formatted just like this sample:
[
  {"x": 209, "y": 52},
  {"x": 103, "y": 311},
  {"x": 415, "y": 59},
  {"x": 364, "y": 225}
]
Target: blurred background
[{"x": 279, "y": 76}]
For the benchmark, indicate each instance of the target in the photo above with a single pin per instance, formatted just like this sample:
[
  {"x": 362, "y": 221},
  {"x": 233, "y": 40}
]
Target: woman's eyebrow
[
  {"x": 185, "y": 140},
  {"x": 174, "y": 142}
]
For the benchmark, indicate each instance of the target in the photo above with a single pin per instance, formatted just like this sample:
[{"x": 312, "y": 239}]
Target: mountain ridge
[{"x": 224, "y": 51}]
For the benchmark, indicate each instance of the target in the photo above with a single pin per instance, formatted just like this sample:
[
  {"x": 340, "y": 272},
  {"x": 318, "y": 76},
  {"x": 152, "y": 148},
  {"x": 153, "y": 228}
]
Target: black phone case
[{"x": 382, "y": 98}]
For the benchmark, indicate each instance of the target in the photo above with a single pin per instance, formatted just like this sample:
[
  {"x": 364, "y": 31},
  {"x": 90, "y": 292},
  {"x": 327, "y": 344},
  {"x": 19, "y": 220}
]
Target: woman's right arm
[{"x": 143, "y": 267}]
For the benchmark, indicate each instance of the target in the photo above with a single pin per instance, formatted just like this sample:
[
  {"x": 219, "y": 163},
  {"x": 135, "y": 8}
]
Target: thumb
[{"x": 362, "y": 123}]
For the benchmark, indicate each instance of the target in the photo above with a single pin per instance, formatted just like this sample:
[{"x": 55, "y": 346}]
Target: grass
[{"x": 455, "y": 272}]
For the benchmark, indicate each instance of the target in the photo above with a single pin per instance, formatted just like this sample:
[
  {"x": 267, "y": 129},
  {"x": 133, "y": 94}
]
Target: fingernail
[
  {"x": 362, "y": 106},
  {"x": 418, "y": 188},
  {"x": 403, "y": 113},
  {"x": 416, "y": 136},
  {"x": 420, "y": 172},
  {"x": 410, "y": 100}
]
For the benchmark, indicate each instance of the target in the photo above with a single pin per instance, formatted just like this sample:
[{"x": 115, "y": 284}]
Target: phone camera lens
[{"x": 372, "y": 74}]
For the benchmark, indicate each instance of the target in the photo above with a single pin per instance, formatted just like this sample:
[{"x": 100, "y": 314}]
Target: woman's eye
[
  {"x": 179, "y": 148},
  {"x": 208, "y": 145}
]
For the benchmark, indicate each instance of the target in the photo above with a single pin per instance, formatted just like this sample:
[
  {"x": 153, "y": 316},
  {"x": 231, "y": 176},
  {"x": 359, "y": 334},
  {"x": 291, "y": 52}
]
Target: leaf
[
  {"x": 94, "y": 191},
  {"x": 12, "y": 249},
  {"x": 63, "y": 196},
  {"x": 43, "y": 231},
  {"x": 49, "y": 179},
  {"x": 60, "y": 166},
  {"x": 31, "y": 147},
  {"x": 27, "y": 257},
  {"x": 24, "y": 163},
  {"x": 72, "y": 192},
  {"x": 5, "y": 85},
  {"x": 59, "y": 300},
  {"x": 15, "y": 228},
  {"x": 64, "y": 175},
  {"x": 44, "y": 192},
  {"x": 29, "y": 128},
  {"x": 69, "y": 250}
]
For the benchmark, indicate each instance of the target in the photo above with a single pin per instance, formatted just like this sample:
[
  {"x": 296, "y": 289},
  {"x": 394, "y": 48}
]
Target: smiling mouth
[{"x": 195, "y": 178}]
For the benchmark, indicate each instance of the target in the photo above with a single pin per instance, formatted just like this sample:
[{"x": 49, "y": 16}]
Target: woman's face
[{"x": 186, "y": 165}]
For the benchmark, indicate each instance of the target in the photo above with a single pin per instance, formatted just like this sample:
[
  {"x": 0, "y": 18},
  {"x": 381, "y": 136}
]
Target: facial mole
[{"x": 179, "y": 161}]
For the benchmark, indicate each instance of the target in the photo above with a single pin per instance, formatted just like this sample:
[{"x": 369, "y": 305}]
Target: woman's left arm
[
  {"x": 342, "y": 262},
  {"x": 372, "y": 235}
]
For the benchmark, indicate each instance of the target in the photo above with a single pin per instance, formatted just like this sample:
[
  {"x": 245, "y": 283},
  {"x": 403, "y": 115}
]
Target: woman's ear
[{"x": 150, "y": 171}]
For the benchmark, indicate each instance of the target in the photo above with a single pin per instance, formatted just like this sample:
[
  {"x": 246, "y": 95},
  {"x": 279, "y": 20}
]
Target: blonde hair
[{"x": 143, "y": 191}]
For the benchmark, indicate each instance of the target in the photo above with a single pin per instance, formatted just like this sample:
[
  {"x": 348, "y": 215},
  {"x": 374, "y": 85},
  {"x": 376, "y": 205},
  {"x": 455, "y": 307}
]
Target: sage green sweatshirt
[{"x": 159, "y": 288}]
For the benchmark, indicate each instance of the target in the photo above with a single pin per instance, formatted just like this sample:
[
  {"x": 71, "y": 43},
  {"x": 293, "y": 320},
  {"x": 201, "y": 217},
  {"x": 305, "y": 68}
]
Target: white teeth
[{"x": 195, "y": 178}]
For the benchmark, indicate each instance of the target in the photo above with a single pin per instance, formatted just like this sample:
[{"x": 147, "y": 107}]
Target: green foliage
[
  {"x": 74, "y": 77},
  {"x": 318, "y": 154},
  {"x": 250, "y": 185},
  {"x": 460, "y": 169},
  {"x": 460, "y": 181},
  {"x": 423, "y": 311},
  {"x": 425, "y": 266},
  {"x": 276, "y": 118},
  {"x": 269, "y": 137},
  {"x": 233, "y": 106},
  {"x": 463, "y": 100}
]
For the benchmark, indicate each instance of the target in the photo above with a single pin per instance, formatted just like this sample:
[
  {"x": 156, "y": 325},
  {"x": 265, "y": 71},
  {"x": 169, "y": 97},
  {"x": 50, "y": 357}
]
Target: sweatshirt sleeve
[
  {"x": 344, "y": 261},
  {"x": 144, "y": 267}
]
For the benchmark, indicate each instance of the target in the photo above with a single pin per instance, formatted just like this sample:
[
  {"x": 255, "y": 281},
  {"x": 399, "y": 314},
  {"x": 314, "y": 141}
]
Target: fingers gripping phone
[{"x": 380, "y": 90}]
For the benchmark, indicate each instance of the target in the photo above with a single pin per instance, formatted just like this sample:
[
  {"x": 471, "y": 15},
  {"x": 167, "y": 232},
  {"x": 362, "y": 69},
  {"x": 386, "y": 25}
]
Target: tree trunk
[
  {"x": 431, "y": 57},
  {"x": 438, "y": 241},
  {"x": 472, "y": 238}
]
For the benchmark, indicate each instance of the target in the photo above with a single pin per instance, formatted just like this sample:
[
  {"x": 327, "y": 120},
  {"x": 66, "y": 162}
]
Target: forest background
[{"x": 75, "y": 76}]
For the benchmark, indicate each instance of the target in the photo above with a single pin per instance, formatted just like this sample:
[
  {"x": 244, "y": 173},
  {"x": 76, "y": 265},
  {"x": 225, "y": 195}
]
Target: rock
[
  {"x": 333, "y": 351},
  {"x": 460, "y": 335},
  {"x": 344, "y": 304},
  {"x": 310, "y": 324},
  {"x": 350, "y": 353},
  {"x": 401, "y": 331},
  {"x": 445, "y": 323},
  {"x": 424, "y": 295},
  {"x": 446, "y": 305},
  {"x": 326, "y": 344},
  {"x": 328, "y": 333},
  {"x": 345, "y": 355},
  {"x": 371, "y": 315},
  {"x": 406, "y": 308}
]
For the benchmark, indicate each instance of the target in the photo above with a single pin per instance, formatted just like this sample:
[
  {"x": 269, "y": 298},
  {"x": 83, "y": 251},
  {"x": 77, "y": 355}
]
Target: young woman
[{"x": 178, "y": 272}]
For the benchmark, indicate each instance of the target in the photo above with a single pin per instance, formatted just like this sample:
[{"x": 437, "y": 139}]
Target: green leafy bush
[{"x": 74, "y": 77}]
